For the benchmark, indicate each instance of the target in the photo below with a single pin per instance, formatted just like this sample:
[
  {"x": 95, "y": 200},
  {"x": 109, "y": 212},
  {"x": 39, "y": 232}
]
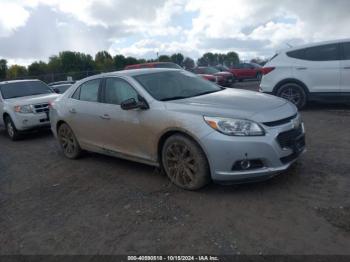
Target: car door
[
  {"x": 319, "y": 68},
  {"x": 85, "y": 117},
  {"x": 345, "y": 68},
  {"x": 125, "y": 130}
]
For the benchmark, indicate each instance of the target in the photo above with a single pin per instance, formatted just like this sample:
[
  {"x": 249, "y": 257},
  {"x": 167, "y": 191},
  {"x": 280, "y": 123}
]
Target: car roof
[
  {"x": 19, "y": 81},
  {"x": 315, "y": 44},
  {"x": 132, "y": 72}
]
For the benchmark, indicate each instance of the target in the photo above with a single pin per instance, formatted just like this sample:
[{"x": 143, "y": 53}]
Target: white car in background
[
  {"x": 314, "y": 72},
  {"x": 24, "y": 105}
]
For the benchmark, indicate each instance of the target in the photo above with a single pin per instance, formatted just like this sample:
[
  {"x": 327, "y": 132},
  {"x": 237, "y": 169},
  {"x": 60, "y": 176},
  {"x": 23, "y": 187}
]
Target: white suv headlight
[
  {"x": 26, "y": 109},
  {"x": 235, "y": 127}
]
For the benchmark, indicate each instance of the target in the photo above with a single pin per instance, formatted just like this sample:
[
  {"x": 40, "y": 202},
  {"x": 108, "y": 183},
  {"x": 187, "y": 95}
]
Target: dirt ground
[{"x": 104, "y": 205}]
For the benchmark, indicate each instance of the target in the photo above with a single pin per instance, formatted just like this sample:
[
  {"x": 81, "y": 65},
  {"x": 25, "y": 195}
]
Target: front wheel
[
  {"x": 185, "y": 163},
  {"x": 11, "y": 129},
  {"x": 293, "y": 93},
  {"x": 68, "y": 142}
]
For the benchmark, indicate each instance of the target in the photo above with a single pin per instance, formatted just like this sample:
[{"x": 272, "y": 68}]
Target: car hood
[
  {"x": 32, "y": 100},
  {"x": 236, "y": 103}
]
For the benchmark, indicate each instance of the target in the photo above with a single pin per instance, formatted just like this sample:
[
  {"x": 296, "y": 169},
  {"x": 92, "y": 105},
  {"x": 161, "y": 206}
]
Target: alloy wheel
[
  {"x": 68, "y": 141},
  {"x": 181, "y": 165},
  {"x": 10, "y": 129},
  {"x": 291, "y": 94}
]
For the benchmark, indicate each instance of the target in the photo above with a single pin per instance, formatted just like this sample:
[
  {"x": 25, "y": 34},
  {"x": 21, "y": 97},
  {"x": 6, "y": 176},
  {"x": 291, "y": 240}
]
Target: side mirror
[
  {"x": 131, "y": 103},
  {"x": 56, "y": 90}
]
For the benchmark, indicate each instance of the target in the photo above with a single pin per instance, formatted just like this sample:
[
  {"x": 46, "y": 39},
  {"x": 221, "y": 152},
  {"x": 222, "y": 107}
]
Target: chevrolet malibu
[{"x": 195, "y": 130}]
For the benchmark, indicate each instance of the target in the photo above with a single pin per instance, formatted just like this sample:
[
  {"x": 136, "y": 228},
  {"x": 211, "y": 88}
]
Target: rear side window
[
  {"x": 318, "y": 53},
  {"x": 346, "y": 49},
  {"x": 88, "y": 91}
]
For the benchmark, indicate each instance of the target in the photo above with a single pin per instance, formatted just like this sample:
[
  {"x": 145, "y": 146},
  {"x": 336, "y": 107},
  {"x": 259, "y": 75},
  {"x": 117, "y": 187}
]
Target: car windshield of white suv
[
  {"x": 25, "y": 88},
  {"x": 165, "y": 86}
]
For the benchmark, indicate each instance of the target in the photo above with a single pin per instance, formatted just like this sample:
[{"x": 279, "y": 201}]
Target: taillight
[{"x": 266, "y": 70}]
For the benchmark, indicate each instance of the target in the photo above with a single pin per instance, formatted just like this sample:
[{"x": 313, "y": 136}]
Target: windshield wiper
[{"x": 173, "y": 98}]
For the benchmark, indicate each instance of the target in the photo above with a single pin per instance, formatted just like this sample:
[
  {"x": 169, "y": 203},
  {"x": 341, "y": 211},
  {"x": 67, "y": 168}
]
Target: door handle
[
  {"x": 72, "y": 110},
  {"x": 347, "y": 67},
  {"x": 105, "y": 117},
  {"x": 301, "y": 68}
]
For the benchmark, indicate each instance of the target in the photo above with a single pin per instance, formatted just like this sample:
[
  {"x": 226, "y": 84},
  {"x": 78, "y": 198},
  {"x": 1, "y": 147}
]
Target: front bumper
[
  {"x": 225, "y": 151},
  {"x": 30, "y": 121}
]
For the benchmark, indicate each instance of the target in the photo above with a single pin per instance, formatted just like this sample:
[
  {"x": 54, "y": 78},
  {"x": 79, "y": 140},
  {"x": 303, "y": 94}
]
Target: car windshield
[
  {"x": 210, "y": 70},
  {"x": 25, "y": 88},
  {"x": 172, "y": 85}
]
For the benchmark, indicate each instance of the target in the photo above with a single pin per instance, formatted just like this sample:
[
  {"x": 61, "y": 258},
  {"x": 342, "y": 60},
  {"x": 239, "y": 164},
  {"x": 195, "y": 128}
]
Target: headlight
[
  {"x": 26, "y": 109},
  {"x": 235, "y": 127}
]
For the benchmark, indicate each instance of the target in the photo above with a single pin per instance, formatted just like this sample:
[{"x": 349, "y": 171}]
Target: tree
[
  {"x": 131, "y": 61},
  {"x": 104, "y": 61},
  {"x": 16, "y": 72},
  {"x": 3, "y": 69},
  {"x": 231, "y": 59},
  {"x": 38, "y": 69},
  {"x": 188, "y": 63},
  {"x": 164, "y": 58},
  {"x": 208, "y": 59},
  {"x": 177, "y": 59},
  {"x": 119, "y": 62}
]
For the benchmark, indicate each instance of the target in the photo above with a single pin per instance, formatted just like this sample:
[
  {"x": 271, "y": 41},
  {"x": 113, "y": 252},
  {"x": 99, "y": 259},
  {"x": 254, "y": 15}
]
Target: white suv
[
  {"x": 24, "y": 105},
  {"x": 315, "y": 72}
]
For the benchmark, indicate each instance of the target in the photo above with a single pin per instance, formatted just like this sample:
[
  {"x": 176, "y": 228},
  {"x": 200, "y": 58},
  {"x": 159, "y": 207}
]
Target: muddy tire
[
  {"x": 68, "y": 142},
  {"x": 185, "y": 163}
]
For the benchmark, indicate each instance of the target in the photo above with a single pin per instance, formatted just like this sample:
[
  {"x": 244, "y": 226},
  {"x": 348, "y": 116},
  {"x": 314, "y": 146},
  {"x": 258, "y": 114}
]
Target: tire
[
  {"x": 185, "y": 163},
  {"x": 294, "y": 93},
  {"x": 11, "y": 129},
  {"x": 68, "y": 142}
]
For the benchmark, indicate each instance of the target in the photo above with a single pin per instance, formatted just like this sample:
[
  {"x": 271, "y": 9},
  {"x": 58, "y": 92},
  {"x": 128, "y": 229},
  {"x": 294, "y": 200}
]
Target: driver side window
[{"x": 118, "y": 90}]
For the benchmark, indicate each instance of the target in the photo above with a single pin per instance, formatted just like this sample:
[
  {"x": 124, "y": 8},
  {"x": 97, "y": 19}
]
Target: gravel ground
[{"x": 104, "y": 205}]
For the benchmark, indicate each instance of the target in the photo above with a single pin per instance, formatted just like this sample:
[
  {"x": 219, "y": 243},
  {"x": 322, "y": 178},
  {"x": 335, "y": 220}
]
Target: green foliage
[
  {"x": 177, "y": 59},
  {"x": 211, "y": 59},
  {"x": 3, "y": 69},
  {"x": 104, "y": 62},
  {"x": 188, "y": 63},
  {"x": 79, "y": 65},
  {"x": 38, "y": 69},
  {"x": 164, "y": 58},
  {"x": 16, "y": 72}
]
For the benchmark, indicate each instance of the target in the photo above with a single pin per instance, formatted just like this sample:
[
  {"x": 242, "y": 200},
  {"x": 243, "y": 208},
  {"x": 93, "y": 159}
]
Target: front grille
[
  {"x": 41, "y": 108},
  {"x": 280, "y": 122},
  {"x": 289, "y": 138}
]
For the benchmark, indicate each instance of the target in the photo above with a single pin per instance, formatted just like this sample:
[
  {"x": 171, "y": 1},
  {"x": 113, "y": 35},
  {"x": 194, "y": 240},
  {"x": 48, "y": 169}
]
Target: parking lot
[{"x": 104, "y": 205}]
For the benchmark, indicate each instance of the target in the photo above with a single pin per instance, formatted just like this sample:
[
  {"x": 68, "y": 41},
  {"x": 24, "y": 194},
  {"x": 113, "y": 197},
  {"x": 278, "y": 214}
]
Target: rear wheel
[
  {"x": 11, "y": 129},
  {"x": 185, "y": 163},
  {"x": 294, "y": 93},
  {"x": 68, "y": 142}
]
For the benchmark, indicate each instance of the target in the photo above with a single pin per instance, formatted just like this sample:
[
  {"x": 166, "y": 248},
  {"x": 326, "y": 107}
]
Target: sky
[{"x": 37, "y": 29}]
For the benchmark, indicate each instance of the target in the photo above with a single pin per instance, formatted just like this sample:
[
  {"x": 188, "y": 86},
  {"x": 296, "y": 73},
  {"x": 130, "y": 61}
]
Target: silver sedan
[{"x": 193, "y": 129}]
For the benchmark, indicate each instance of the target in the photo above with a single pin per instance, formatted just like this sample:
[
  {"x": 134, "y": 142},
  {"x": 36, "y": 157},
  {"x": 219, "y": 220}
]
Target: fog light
[{"x": 245, "y": 164}]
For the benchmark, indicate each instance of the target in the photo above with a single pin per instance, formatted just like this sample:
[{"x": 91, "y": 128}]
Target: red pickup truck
[{"x": 243, "y": 71}]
